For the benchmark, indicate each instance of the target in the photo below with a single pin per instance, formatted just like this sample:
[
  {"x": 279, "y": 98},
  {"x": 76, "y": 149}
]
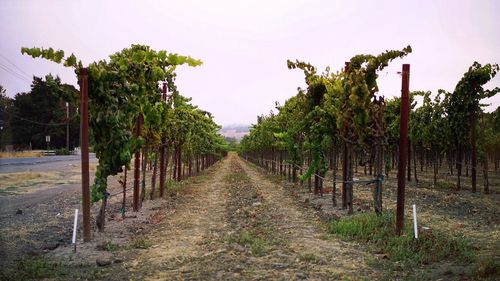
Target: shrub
[{"x": 62, "y": 151}]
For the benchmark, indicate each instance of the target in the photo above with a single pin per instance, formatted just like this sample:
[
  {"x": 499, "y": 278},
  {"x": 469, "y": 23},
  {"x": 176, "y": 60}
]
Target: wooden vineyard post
[
  {"x": 84, "y": 142},
  {"x": 179, "y": 162},
  {"x": 162, "y": 151},
  {"x": 344, "y": 162},
  {"x": 403, "y": 146},
  {"x": 344, "y": 176},
  {"x": 379, "y": 155},
  {"x": 137, "y": 164},
  {"x": 473, "y": 151},
  {"x": 334, "y": 168}
]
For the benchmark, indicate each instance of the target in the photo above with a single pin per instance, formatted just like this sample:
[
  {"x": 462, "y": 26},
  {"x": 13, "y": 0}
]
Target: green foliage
[
  {"x": 335, "y": 107},
  {"x": 359, "y": 88},
  {"x": 257, "y": 245},
  {"x": 428, "y": 123},
  {"x": 464, "y": 103},
  {"x": 126, "y": 87},
  {"x": 490, "y": 133},
  {"x": 42, "y": 112},
  {"x": 62, "y": 151},
  {"x": 379, "y": 233},
  {"x": 6, "y": 115},
  {"x": 232, "y": 144},
  {"x": 52, "y": 55},
  {"x": 172, "y": 187}
]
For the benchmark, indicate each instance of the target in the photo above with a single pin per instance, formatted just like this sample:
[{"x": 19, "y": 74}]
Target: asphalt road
[{"x": 41, "y": 164}]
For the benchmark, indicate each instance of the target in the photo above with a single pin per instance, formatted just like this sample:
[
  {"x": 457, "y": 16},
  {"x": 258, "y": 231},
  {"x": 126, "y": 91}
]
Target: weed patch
[
  {"x": 62, "y": 151},
  {"x": 248, "y": 239},
  {"x": 308, "y": 258},
  {"x": 108, "y": 246},
  {"x": 440, "y": 185},
  {"x": 172, "y": 187},
  {"x": 33, "y": 269},
  {"x": 488, "y": 267},
  {"x": 141, "y": 242},
  {"x": 379, "y": 233}
]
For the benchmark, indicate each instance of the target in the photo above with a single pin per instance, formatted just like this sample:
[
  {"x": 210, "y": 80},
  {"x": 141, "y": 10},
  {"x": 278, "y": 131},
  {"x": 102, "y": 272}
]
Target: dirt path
[
  {"x": 304, "y": 233},
  {"x": 178, "y": 241},
  {"x": 238, "y": 225}
]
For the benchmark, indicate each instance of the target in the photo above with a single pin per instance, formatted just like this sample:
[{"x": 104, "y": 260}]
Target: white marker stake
[
  {"x": 415, "y": 220},
  {"x": 74, "y": 230}
]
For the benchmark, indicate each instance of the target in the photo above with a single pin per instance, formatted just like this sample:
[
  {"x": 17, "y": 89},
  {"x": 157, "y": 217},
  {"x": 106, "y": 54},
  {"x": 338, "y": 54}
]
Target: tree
[
  {"x": 42, "y": 112},
  {"x": 6, "y": 108}
]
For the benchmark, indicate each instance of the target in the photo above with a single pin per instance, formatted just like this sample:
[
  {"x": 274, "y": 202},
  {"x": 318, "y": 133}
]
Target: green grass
[
  {"x": 32, "y": 269},
  {"x": 172, "y": 187},
  {"x": 10, "y": 190},
  {"x": 257, "y": 245},
  {"x": 109, "y": 246},
  {"x": 379, "y": 233},
  {"x": 62, "y": 151},
  {"x": 40, "y": 268},
  {"x": 141, "y": 242},
  {"x": 308, "y": 258}
]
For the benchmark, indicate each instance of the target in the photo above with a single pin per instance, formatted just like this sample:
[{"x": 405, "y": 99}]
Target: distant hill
[{"x": 236, "y": 131}]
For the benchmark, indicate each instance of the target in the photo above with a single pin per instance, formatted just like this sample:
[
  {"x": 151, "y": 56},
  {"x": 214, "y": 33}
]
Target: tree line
[{"x": 48, "y": 109}]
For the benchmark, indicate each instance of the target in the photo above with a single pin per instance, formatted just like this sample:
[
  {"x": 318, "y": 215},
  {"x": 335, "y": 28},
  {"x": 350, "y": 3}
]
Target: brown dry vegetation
[
  {"x": 28, "y": 182},
  {"x": 20, "y": 154}
]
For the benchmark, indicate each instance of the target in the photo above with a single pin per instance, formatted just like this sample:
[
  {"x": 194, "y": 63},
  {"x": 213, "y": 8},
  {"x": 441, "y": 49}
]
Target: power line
[
  {"x": 14, "y": 64},
  {"x": 15, "y": 74},
  {"x": 43, "y": 124}
]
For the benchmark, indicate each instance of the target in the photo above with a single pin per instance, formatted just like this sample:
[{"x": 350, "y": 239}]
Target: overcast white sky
[{"x": 245, "y": 44}]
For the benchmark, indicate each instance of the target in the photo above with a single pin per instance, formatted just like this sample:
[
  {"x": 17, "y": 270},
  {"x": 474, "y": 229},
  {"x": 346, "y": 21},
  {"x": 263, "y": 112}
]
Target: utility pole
[{"x": 403, "y": 147}]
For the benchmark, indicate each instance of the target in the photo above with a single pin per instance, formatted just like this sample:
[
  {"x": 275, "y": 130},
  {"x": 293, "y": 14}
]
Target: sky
[{"x": 244, "y": 45}]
